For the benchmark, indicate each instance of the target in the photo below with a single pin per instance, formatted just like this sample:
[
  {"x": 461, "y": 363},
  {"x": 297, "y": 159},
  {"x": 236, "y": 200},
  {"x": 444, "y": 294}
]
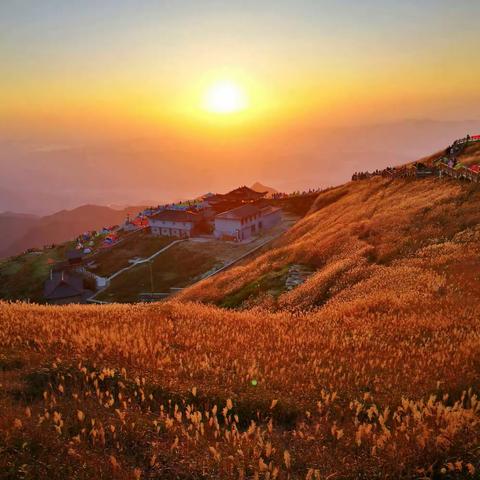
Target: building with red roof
[
  {"x": 174, "y": 223},
  {"x": 242, "y": 223}
]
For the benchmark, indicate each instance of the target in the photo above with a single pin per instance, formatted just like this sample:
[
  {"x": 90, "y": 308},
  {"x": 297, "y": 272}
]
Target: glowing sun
[{"x": 225, "y": 97}]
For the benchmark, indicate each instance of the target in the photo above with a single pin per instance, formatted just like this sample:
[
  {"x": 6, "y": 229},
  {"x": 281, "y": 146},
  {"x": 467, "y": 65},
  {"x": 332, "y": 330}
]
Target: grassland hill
[
  {"x": 409, "y": 237},
  {"x": 369, "y": 369}
]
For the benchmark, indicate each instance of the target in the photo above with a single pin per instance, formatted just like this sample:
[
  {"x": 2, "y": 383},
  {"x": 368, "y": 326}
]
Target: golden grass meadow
[
  {"x": 368, "y": 370},
  {"x": 317, "y": 316}
]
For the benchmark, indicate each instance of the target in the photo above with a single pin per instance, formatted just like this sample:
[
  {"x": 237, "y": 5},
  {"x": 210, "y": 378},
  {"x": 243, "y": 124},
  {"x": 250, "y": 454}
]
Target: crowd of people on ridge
[
  {"x": 419, "y": 169},
  {"x": 397, "y": 172},
  {"x": 297, "y": 193}
]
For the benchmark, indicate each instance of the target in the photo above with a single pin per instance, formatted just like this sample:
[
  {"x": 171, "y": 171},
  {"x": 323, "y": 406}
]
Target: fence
[{"x": 459, "y": 173}]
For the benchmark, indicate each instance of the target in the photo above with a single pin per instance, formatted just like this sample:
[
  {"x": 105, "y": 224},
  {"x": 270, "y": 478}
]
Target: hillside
[
  {"x": 358, "y": 232},
  {"x": 22, "y": 277},
  {"x": 60, "y": 227},
  {"x": 379, "y": 238},
  {"x": 14, "y": 226},
  {"x": 369, "y": 369}
]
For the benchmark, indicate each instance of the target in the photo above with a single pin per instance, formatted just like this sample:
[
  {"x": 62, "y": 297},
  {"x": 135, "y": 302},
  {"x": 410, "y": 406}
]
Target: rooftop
[
  {"x": 175, "y": 216},
  {"x": 269, "y": 209},
  {"x": 238, "y": 213},
  {"x": 74, "y": 254},
  {"x": 63, "y": 285},
  {"x": 246, "y": 192},
  {"x": 239, "y": 194}
]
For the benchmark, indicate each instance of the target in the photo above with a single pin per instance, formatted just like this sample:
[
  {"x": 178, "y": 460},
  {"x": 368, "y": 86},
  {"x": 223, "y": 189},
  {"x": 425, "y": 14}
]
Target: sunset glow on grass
[
  {"x": 225, "y": 97},
  {"x": 239, "y": 240}
]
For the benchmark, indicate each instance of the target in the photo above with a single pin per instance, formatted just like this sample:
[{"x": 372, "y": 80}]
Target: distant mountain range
[{"x": 22, "y": 231}]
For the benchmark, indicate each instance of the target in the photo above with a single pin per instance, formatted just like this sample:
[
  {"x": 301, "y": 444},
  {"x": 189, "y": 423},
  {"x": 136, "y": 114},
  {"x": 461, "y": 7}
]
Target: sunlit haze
[{"x": 166, "y": 100}]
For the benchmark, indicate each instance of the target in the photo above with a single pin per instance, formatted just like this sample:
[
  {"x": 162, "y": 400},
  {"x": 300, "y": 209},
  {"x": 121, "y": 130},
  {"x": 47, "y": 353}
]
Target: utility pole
[{"x": 151, "y": 275}]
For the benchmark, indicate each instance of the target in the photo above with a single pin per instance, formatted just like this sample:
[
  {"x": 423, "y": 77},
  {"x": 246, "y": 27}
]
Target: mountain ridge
[{"x": 58, "y": 227}]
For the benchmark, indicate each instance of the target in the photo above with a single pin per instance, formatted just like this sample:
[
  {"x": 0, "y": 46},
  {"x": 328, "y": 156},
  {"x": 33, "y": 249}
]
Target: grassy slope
[
  {"x": 138, "y": 245},
  {"x": 471, "y": 154},
  {"x": 22, "y": 277},
  {"x": 364, "y": 231},
  {"x": 175, "y": 267}
]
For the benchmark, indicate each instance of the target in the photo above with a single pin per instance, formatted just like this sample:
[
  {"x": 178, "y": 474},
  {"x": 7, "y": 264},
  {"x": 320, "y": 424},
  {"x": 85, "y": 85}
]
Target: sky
[{"x": 104, "y": 101}]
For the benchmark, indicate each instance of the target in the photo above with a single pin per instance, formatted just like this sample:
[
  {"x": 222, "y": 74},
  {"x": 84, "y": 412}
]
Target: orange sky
[{"x": 112, "y": 72}]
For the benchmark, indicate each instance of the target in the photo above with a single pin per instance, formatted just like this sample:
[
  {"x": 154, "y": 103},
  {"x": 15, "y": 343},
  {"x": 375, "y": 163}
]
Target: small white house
[
  {"x": 243, "y": 222},
  {"x": 173, "y": 223}
]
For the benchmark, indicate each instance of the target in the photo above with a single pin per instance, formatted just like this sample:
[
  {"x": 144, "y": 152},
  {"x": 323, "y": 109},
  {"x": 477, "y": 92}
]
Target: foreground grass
[{"x": 178, "y": 390}]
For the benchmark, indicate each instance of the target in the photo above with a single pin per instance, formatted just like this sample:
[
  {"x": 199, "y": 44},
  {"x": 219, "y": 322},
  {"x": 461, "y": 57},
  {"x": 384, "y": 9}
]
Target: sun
[{"x": 225, "y": 97}]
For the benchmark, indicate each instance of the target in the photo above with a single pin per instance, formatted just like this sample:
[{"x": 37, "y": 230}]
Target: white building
[
  {"x": 243, "y": 222},
  {"x": 173, "y": 223}
]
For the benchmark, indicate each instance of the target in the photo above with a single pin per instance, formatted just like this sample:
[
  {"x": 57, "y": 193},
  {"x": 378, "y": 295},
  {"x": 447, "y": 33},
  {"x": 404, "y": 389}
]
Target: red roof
[
  {"x": 240, "y": 194},
  {"x": 245, "y": 193},
  {"x": 140, "y": 222},
  {"x": 176, "y": 216},
  {"x": 239, "y": 213}
]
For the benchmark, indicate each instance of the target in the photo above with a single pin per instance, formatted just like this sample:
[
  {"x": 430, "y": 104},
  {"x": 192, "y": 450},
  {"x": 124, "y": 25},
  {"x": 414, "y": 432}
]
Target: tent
[
  {"x": 140, "y": 222},
  {"x": 110, "y": 239}
]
